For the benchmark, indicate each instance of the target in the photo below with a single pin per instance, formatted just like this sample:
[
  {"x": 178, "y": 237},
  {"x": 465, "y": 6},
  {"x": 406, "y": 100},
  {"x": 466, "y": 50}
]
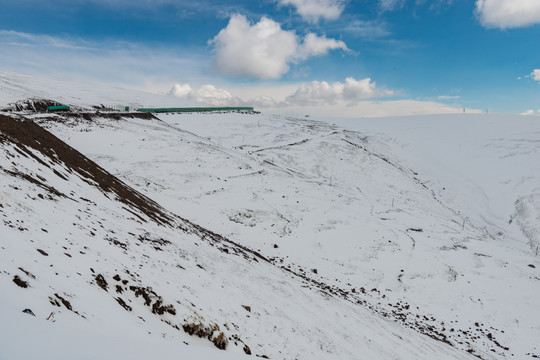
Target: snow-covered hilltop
[{"x": 270, "y": 236}]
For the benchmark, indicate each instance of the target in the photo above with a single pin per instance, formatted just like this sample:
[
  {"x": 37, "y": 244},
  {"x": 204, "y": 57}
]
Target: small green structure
[
  {"x": 58, "y": 108},
  {"x": 194, "y": 109}
]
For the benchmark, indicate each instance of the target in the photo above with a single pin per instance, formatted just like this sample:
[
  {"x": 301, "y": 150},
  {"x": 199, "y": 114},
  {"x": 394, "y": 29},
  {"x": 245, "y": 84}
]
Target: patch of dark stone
[
  {"x": 65, "y": 302},
  {"x": 123, "y": 304},
  {"x": 20, "y": 282},
  {"x": 211, "y": 332},
  {"x": 101, "y": 282},
  {"x": 149, "y": 295},
  {"x": 29, "y": 312}
]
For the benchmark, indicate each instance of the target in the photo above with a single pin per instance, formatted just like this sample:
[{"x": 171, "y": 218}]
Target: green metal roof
[
  {"x": 57, "y": 107},
  {"x": 194, "y": 109}
]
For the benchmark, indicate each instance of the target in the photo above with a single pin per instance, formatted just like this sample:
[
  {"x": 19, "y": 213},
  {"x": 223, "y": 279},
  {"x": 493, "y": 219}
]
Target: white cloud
[
  {"x": 434, "y": 5},
  {"x": 528, "y": 112},
  {"x": 211, "y": 95},
  {"x": 362, "y": 89},
  {"x": 322, "y": 92},
  {"x": 536, "y": 75},
  {"x": 180, "y": 90},
  {"x": 389, "y": 5},
  {"x": 370, "y": 108},
  {"x": 206, "y": 94},
  {"x": 448, "y": 97},
  {"x": 353, "y": 98},
  {"x": 314, "y": 93},
  {"x": 317, "y": 92},
  {"x": 368, "y": 29},
  {"x": 508, "y": 13},
  {"x": 314, "y": 45},
  {"x": 313, "y": 10},
  {"x": 73, "y": 58},
  {"x": 264, "y": 50}
]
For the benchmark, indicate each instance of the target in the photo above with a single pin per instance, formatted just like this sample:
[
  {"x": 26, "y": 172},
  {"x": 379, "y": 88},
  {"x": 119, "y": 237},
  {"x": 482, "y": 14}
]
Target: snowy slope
[
  {"x": 332, "y": 200},
  {"x": 354, "y": 208},
  {"x": 484, "y": 165},
  {"x": 78, "y": 251}
]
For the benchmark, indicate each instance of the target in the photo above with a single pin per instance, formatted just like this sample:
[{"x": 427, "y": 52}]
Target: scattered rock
[
  {"x": 51, "y": 317},
  {"x": 66, "y": 303},
  {"x": 20, "y": 282},
  {"x": 220, "y": 341},
  {"x": 42, "y": 252},
  {"x": 158, "y": 308},
  {"x": 101, "y": 282},
  {"x": 28, "y": 273},
  {"x": 248, "y": 308},
  {"x": 123, "y": 303},
  {"x": 29, "y": 312},
  {"x": 211, "y": 332}
]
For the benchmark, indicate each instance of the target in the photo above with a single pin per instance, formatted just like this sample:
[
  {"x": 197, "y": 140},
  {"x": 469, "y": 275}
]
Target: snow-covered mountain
[{"x": 403, "y": 238}]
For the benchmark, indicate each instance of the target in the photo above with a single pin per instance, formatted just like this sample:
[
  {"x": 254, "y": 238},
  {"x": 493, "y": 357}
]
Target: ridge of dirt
[{"x": 27, "y": 134}]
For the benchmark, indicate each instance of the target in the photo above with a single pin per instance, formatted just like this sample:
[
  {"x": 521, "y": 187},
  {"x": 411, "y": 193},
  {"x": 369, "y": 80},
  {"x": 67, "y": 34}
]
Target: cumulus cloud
[
  {"x": 211, "y": 95},
  {"x": 206, "y": 94},
  {"x": 508, "y": 13},
  {"x": 313, "y": 10},
  {"x": 352, "y": 98},
  {"x": 315, "y": 93},
  {"x": 180, "y": 90},
  {"x": 314, "y": 45},
  {"x": 322, "y": 92},
  {"x": 535, "y": 75},
  {"x": 264, "y": 50}
]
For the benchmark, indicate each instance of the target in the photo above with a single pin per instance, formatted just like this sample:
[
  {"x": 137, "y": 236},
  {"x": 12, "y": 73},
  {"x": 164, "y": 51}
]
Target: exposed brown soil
[{"x": 26, "y": 134}]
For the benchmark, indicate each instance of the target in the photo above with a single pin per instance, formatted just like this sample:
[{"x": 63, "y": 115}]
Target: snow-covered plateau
[{"x": 241, "y": 235}]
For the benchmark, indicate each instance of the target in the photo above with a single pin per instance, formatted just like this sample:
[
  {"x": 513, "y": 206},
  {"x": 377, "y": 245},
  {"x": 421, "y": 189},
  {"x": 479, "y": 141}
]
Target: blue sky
[{"x": 341, "y": 57}]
